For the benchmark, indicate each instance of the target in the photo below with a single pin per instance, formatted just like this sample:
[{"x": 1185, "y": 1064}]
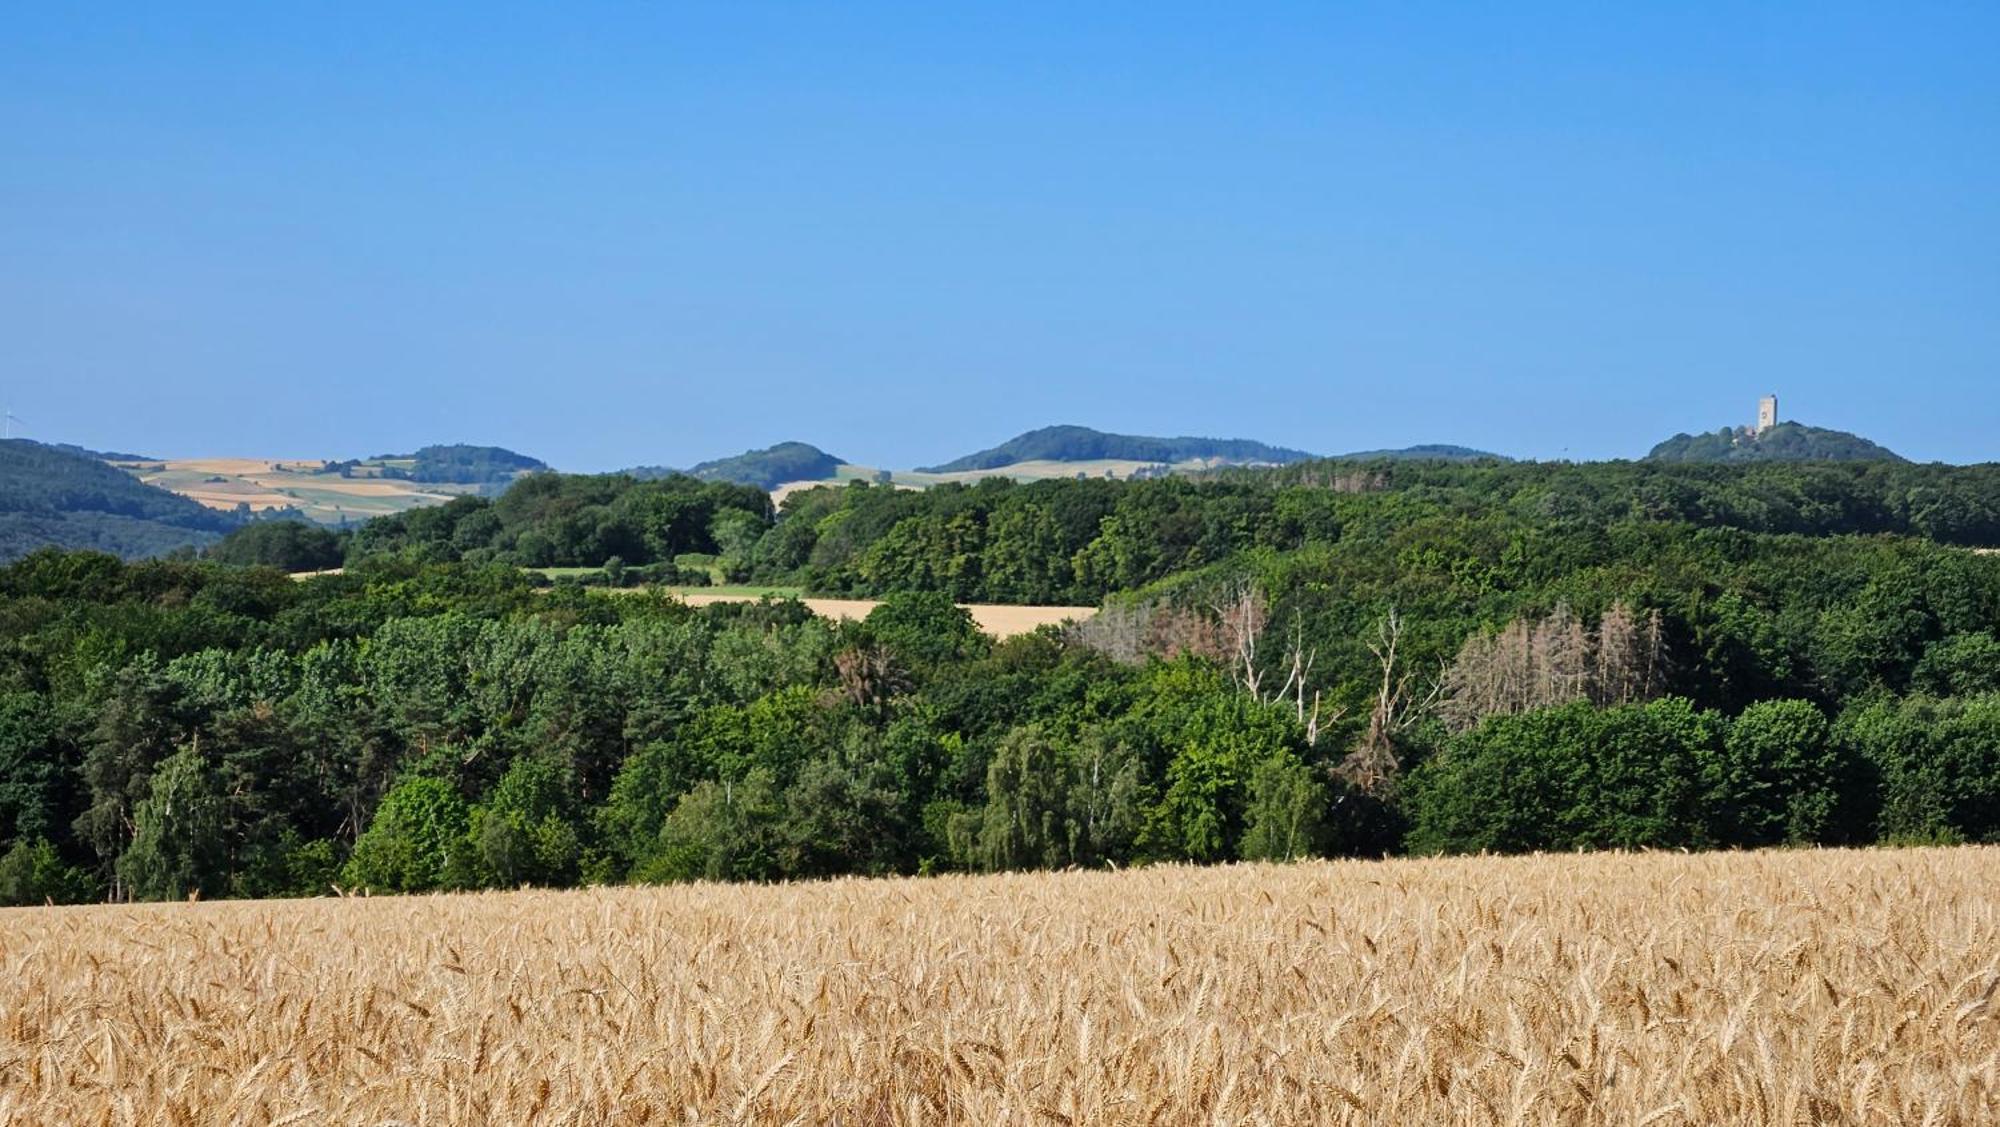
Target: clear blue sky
[{"x": 657, "y": 233}]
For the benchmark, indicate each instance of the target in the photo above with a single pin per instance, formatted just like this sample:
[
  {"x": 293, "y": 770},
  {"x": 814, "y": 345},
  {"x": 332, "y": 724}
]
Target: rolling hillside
[
  {"x": 1786, "y": 442},
  {"x": 458, "y": 464},
  {"x": 1429, "y": 452},
  {"x": 54, "y": 497},
  {"x": 338, "y": 492},
  {"x": 1082, "y": 444},
  {"x": 769, "y": 468}
]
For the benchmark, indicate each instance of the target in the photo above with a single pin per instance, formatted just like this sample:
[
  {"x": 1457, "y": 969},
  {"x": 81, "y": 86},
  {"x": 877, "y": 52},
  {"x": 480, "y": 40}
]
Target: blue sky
[{"x": 618, "y": 234}]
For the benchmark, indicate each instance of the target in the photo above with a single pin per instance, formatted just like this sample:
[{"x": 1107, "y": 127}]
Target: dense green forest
[
  {"x": 65, "y": 497},
  {"x": 1068, "y": 542},
  {"x": 289, "y": 545},
  {"x": 1786, "y": 442},
  {"x": 573, "y": 520},
  {"x": 1327, "y": 658}
]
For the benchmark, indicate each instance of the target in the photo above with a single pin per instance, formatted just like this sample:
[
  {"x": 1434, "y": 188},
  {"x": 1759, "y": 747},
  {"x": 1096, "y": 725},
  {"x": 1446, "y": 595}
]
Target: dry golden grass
[
  {"x": 1006, "y": 621},
  {"x": 997, "y": 619},
  {"x": 1779, "y": 988}
]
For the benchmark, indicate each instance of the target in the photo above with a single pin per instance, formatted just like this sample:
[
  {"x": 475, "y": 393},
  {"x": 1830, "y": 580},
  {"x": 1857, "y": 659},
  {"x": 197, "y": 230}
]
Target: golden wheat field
[{"x": 1776, "y": 988}]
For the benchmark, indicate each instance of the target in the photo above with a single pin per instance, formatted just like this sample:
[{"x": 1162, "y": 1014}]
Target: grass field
[{"x": 1774, "y": 988}]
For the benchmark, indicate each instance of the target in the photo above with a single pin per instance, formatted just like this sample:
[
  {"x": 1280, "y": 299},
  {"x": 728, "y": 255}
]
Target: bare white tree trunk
[{"x": 1373, "y": 764}]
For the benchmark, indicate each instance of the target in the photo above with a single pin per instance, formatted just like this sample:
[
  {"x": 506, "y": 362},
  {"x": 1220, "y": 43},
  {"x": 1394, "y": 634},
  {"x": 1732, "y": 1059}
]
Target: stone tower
[{"x": 1767, "y": 413}]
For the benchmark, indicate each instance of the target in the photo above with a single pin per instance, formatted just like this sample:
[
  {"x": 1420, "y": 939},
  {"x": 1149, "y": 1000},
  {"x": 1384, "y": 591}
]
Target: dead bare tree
[
  {"x": 1617, "y": 659},
  {"x": 1372, "y": 765},
  {"x": 1243, "y": 616},
  {"x": 868, "y": 676},
  {"x": 1298, "y": 673},
  {"x": 1653, "y": 681},
  {"x": 1231, "y": 630},
  {"x": 1175, "y": 630},
  {"x": 1530, "y": 665},
  {"x": 1118, "y": 631},
  {"x": 1562, "y": 652}
]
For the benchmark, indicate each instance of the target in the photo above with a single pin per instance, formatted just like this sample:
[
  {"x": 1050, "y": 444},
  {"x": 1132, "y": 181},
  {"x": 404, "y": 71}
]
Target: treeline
[
  {"x": 1072, "y": 542},
  {"x": 1427, "y": 682},
  {"x": 1668, "y": 776},
  {"x": 569, "y": 520}
]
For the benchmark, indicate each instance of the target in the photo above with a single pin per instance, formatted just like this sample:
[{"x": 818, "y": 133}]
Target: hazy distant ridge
[
  {"x": 1082, "y": 444},
  {"x": 1427, "y": 452},
  {"x": 767, "y": 468}
]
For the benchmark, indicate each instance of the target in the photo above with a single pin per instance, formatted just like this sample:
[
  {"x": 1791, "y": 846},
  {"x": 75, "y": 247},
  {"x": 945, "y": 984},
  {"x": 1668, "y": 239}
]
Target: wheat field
[{"x": 1786, "y": 988}]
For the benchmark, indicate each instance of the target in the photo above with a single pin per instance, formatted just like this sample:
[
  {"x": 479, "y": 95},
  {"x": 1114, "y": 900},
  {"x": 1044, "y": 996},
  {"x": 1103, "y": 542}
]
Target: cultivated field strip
[
  {"x": 1777, "y": 988},
  {"x": 997, "y": 619}
]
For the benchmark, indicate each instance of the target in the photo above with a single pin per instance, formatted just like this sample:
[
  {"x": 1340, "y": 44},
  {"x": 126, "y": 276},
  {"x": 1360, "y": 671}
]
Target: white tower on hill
[{"x": 1767, "y": 413}]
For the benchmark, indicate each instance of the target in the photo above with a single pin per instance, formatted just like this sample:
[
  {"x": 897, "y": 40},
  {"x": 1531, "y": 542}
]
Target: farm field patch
[
  {"x": 999, "y": 620},
  {"x": 277, "y": 483},
  {"x": 1853, "y": 987}
]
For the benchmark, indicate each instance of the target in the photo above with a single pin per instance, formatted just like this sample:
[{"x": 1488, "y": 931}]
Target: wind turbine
[{"x": 7, "y": 428}]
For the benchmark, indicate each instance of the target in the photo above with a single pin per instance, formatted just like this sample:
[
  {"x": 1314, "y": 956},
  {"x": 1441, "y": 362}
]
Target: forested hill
[
  {"x": 1428, "y": 452},
  {"x": 1082, "y": 444},
  {"x": 54, "y": 497},
  {"x": 460, "y": 464},
  {"x": 768, "y": 468},
  {"x": 1786, "y": 442},
  {"x": 101, "y": 455}
]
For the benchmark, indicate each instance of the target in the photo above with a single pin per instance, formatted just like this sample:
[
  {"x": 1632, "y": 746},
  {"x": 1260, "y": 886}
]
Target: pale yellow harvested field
[
  {"x": 228, "y": 496},
  {"x": 365, "y": 487},
  {"x": 1042, "y": 469},
  {"x": 234, "y": 467},
  {"x": 992, "y": 618},
  {"x": 1036, "y": 470},
  {"x": 1734, "y": 989},
  {"x": 277, "y": 483}
]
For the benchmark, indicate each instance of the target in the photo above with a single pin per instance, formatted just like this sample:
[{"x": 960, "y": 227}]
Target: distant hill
[
  {"x": 1786, "y": 442},
  {"x": 766, "y": 469},
  {"x": 1430, "y": 452},
  {"x": 55, "y": 497},
  {"x": 1082, "y": 444},
  {"x": 100, "y": 455},
  {"x": 459, "y": 464}
]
